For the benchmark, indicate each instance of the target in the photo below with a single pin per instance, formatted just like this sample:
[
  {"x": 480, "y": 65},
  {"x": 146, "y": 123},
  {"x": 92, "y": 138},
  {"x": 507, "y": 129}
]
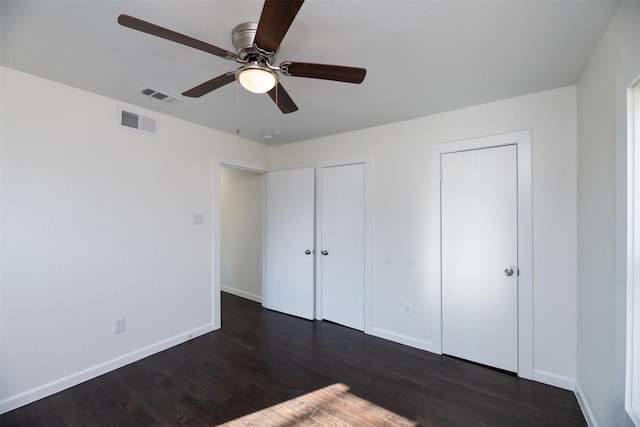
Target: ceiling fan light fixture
[
  {"x": 256, "y": 78},
  {"x": 256, "y": 46}
]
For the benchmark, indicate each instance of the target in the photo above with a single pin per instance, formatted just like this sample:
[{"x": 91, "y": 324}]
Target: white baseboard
[
  {"x": 63, "y": 383},
  {"x": 241, "y": 294},
  {"x": 554, "y": 380},
  {"x": 626, "y": 419},
  {"x": 402, "y": 339},
  {"x": 584, "y": 406}
]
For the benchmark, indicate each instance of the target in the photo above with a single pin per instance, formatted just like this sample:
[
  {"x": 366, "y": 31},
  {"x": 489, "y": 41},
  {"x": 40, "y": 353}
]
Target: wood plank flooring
[{"x": 264, "y": 368}]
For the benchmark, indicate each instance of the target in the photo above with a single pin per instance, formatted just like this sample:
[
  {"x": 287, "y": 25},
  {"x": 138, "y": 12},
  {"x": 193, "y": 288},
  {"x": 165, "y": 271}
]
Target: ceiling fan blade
[
  {"x": 211, "y": 85},
  {"x": 323, "y": 71},
  {"x": 275, "y": 20},
  {"x": 156, "y": 30},
  {"x": 284, "y": 101}
]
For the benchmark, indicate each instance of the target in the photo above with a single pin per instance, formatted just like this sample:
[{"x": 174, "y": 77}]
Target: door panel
[
  {"x": 479, "y": 240},
  {"x": 343, "y": 213},
  {"x": 290, "y": 235}
]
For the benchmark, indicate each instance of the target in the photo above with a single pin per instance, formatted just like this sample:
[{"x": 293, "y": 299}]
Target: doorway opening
[
  {"x": 241, "y": 222},
  {"x": 246, "y": 177}
]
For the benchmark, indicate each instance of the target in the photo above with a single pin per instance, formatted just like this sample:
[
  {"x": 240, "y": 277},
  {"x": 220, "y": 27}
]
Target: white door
[
  {"x": 479, "y": 256},
  {"x": 343, "y": 245},
  {"x": 289, "y": 242}
]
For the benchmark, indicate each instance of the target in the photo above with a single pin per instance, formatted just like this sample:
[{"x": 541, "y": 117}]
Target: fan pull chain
[
  {"x": 277, "y": 113},
  {"x": 237, "y": 107}
]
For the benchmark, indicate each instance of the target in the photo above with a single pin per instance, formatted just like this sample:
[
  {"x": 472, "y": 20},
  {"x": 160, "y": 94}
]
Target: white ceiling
[{"x": 422, "y": 57}]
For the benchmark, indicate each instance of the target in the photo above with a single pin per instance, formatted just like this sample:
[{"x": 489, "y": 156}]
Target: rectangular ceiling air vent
[
  {"x": 134, "y": 121},
  {"x": 160, "y": 96}
]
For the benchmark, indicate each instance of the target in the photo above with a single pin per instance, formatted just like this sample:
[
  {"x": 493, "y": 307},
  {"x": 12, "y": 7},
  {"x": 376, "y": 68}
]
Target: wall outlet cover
[
  {"x": 118, "y": 325},
  {"x": 406, "y": 309}
]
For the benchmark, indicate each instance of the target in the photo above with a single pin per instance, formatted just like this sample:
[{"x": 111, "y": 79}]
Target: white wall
[
  {"x": 241, "y": 217},
  {"x": 97, "y": 224},
  {"x": 401, "y": 214},
  {"x": 602, "y": 160}
]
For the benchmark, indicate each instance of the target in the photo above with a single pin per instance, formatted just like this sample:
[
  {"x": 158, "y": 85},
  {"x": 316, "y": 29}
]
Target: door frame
[
  {"x": 368, "y": 234},
  {"x": 219, "y": 162},
  {"x": 522, "y": 139}
]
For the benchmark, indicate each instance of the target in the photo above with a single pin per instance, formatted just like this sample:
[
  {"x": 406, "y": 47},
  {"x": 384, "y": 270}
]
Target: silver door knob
[
  {"x": 508, "y": 271},
  {"x": 307, "y": 252},
  {"x": 325, "y": 253}
]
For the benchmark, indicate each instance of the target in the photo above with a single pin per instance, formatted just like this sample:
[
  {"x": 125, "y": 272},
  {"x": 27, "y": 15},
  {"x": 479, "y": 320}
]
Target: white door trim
[
  {"x": 368, "y": 235},
  {"x": 218, "y": 162},
  {"x": 632, "y": 373},
  {"x": 522, "y": 140}
]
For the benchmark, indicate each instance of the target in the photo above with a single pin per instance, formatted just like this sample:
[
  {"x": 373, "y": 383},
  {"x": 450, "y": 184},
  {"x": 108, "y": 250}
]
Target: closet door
[
  {"x": 480, "y": 256},
  {"x": 343, "y": 247},
  {"x": 289, "y": 263}
]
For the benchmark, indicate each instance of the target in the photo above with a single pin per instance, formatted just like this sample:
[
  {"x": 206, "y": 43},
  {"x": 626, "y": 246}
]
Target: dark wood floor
[{"x": 266, "y": 368}]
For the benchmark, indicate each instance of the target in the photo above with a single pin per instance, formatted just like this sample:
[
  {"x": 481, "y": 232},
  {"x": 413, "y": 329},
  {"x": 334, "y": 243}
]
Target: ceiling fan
[{"x": 256, "y": 47}]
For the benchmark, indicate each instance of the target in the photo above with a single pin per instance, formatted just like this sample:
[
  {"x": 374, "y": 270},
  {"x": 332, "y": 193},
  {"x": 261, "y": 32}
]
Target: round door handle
[
  {"x": 307, "y": 252},
  {"x": 508, "y": 271},
  {"x": 325, "y": 253}
]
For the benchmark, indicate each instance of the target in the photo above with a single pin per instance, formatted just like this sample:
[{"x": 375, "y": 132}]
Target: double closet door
[{"x": 292, "y": 255}]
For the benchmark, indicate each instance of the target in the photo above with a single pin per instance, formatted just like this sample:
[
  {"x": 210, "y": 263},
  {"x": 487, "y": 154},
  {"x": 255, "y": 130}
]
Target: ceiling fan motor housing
[{"x": 243, "y": 36}]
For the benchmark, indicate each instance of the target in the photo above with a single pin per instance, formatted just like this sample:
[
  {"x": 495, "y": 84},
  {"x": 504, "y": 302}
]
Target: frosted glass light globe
[{"x": 257, "y": 80}]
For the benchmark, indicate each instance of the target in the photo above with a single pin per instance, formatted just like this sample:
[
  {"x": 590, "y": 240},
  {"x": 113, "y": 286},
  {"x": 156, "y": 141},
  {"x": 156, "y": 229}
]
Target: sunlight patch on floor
[{"x": 329, "y": 406}]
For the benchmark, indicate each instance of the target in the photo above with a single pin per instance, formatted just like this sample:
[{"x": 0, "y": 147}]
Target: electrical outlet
[
  {"x": 406, "y": 309},
  {"x": 118, "y": 325},
  {"x": 198, "y": 218}
]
